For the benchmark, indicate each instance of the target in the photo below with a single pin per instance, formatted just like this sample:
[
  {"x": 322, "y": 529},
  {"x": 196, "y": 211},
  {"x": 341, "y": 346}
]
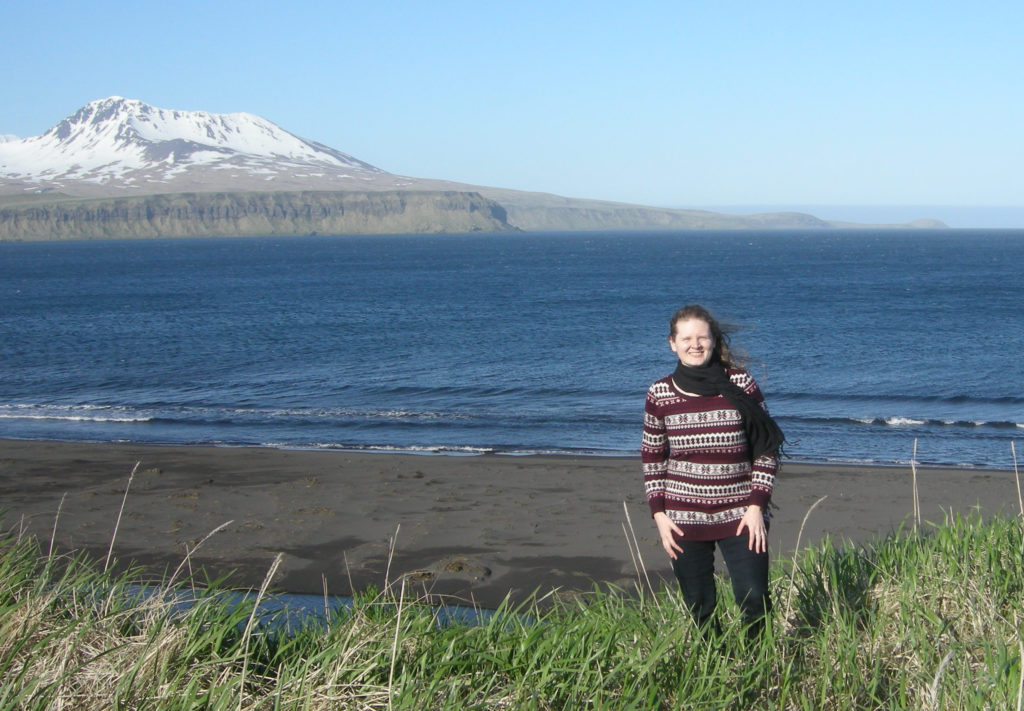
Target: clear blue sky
[{"x": 681, "y": 104}]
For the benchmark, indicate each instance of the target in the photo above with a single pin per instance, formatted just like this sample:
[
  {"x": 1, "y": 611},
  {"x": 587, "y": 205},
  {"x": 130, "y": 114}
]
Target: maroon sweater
[{"x": 696, "y": 462}]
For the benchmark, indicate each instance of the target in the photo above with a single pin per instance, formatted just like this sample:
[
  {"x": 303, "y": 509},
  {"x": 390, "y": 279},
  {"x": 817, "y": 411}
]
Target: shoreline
[
  {"x": 445, "y": 451},
  {"x": 459, "y": 528}
]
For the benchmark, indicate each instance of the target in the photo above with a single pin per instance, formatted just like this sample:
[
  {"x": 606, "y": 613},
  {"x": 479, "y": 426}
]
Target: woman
[{"x": 710, "y": 453}]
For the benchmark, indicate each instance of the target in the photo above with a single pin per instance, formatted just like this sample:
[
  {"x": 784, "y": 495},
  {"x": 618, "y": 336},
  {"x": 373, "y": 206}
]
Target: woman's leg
[
  {"x": 695, "y": 571},
  {"x": 749, "y": 573}
]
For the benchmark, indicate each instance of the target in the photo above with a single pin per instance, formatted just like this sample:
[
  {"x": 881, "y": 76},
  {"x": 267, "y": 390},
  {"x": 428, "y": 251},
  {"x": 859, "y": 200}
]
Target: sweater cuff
[
  {"x": 657, "y": 504},
  {"x": 760, "y": 498}
]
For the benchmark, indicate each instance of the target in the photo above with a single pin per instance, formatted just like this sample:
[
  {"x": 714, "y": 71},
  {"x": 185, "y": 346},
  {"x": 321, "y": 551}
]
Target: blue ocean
[{"x": 864, "y": 342}]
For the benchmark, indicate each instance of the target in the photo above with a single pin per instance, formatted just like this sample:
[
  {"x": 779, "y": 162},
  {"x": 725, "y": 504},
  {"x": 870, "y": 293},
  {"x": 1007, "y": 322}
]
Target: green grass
[{"x": 920, "y": 620}]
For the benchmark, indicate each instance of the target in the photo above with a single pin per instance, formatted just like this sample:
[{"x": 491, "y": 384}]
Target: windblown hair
[{"x": 721, "y": 353}]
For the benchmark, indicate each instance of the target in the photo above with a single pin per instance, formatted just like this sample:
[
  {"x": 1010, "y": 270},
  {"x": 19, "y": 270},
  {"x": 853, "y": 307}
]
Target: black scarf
[{"x": 763, "y": 434}]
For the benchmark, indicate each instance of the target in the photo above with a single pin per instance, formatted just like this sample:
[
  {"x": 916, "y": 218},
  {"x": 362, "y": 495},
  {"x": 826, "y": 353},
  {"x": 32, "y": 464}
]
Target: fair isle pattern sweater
[{"x": 696, "y": 463}]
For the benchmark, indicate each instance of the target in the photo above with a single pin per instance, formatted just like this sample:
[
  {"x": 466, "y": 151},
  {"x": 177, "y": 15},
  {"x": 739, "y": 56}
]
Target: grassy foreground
[{"x": 929, "y": 620}]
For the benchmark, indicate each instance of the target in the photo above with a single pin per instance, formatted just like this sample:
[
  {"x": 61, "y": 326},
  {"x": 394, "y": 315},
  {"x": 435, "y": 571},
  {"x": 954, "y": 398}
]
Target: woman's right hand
[{"x": 666, "y": 528}]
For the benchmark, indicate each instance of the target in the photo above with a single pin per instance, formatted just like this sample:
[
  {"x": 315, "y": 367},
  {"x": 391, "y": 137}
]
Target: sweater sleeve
[
  {"x": 767, "y": 465},
  {"x": 654, "y": 454},
  {"x": 763, "y": 479}
]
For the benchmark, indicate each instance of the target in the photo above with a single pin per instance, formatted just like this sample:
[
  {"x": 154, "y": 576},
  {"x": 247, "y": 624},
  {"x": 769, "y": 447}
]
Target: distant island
[{"x": 119, "y": 168}]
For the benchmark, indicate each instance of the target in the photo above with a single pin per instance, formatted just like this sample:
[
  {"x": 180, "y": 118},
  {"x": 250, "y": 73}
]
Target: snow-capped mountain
[{"x": 119, "y": 146}]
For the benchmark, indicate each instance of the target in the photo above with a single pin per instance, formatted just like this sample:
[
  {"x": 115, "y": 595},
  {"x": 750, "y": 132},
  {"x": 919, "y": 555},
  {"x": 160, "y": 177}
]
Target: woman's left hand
[{"x": 753, "y": 521}]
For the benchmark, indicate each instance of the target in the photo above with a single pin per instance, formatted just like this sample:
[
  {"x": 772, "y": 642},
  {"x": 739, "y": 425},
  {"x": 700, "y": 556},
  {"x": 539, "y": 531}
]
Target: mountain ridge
[{"x": 124, "y": 148}]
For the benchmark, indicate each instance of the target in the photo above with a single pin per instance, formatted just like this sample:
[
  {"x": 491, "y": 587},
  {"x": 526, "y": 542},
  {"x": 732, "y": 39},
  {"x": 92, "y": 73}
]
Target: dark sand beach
[{"x": 472, "y": 529}]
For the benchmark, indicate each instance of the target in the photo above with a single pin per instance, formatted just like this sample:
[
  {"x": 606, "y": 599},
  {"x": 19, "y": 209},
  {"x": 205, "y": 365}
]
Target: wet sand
[{"x": 470, "y": 529}]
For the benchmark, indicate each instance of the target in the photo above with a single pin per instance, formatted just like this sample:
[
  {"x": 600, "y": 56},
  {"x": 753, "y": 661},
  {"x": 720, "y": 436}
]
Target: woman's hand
[
  {"x": 753, "y": 521},
  {"x": 665, "y": 530}
]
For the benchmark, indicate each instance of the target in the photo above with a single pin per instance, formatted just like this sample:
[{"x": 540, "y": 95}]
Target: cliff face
[
  {"x": 252, "y": 214},
  {"x": 610, "y": 216}
]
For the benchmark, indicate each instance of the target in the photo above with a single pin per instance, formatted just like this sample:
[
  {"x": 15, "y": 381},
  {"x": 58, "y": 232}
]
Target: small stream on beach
[{"x": 289, "y": 613}]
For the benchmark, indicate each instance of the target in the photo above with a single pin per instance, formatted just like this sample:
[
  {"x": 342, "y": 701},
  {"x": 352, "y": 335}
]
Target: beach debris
[{"x": 451, "y": 567}]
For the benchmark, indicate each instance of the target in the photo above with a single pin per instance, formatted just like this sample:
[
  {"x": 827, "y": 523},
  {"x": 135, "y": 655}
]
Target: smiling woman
[{"x": 710, "y": 453}]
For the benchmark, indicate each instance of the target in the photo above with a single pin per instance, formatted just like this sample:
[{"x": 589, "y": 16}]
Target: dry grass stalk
[
  {"x": 187, "y": 560},
  {"x": 394, "y": 645},
  {"x": 799, "y": 535},
  {"x": 1020, "y": 683},
  {"x": 327, "y": 607},
  {"x": 348, "y": 574},
  {"x": 638, "y": 560},
  {"x": 53, "y": 534},
  {"x": 636, "y": 564},
  {"x": 252, "y": 620},
  {"x": 391, "y": 555},
  {"x": 917, "y": 500},
  {"x": 933, "y": 691},
  {"x": 117, "y": 523},
  {"x": 1016, "y": 474}
]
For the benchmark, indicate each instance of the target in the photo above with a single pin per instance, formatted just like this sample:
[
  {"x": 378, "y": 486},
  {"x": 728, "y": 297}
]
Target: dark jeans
[{"x": 695, "y": 570}]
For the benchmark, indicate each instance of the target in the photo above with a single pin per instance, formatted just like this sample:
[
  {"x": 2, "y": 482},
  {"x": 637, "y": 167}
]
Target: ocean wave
[
  {"x": 903, "y": 421},
  {"x": 71, "y": 413},
  {"x": 453, "y": 450},
  {"x": 519, "y": 389},
  {"x": 319, "y": 414},
  {"x": 959, "y": 399},
  {"x": 473, "y": 415},
  {"x": 73, "y": 418}
]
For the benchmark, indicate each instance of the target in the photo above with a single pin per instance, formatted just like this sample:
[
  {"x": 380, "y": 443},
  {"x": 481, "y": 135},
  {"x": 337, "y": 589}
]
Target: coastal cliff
[{"x": 250, "y": 214}]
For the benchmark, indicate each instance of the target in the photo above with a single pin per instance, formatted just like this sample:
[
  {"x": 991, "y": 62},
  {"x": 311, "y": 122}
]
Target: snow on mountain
[{"x": 120, "y": 146}]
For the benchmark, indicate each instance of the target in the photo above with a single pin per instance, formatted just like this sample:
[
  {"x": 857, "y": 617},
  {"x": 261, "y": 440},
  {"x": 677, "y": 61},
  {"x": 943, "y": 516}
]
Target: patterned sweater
[{"x": 696, "y": 462}]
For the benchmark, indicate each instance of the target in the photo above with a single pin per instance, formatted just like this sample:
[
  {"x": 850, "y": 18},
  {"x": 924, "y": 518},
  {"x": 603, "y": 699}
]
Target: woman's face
[{"x": 692, "y": 342}]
